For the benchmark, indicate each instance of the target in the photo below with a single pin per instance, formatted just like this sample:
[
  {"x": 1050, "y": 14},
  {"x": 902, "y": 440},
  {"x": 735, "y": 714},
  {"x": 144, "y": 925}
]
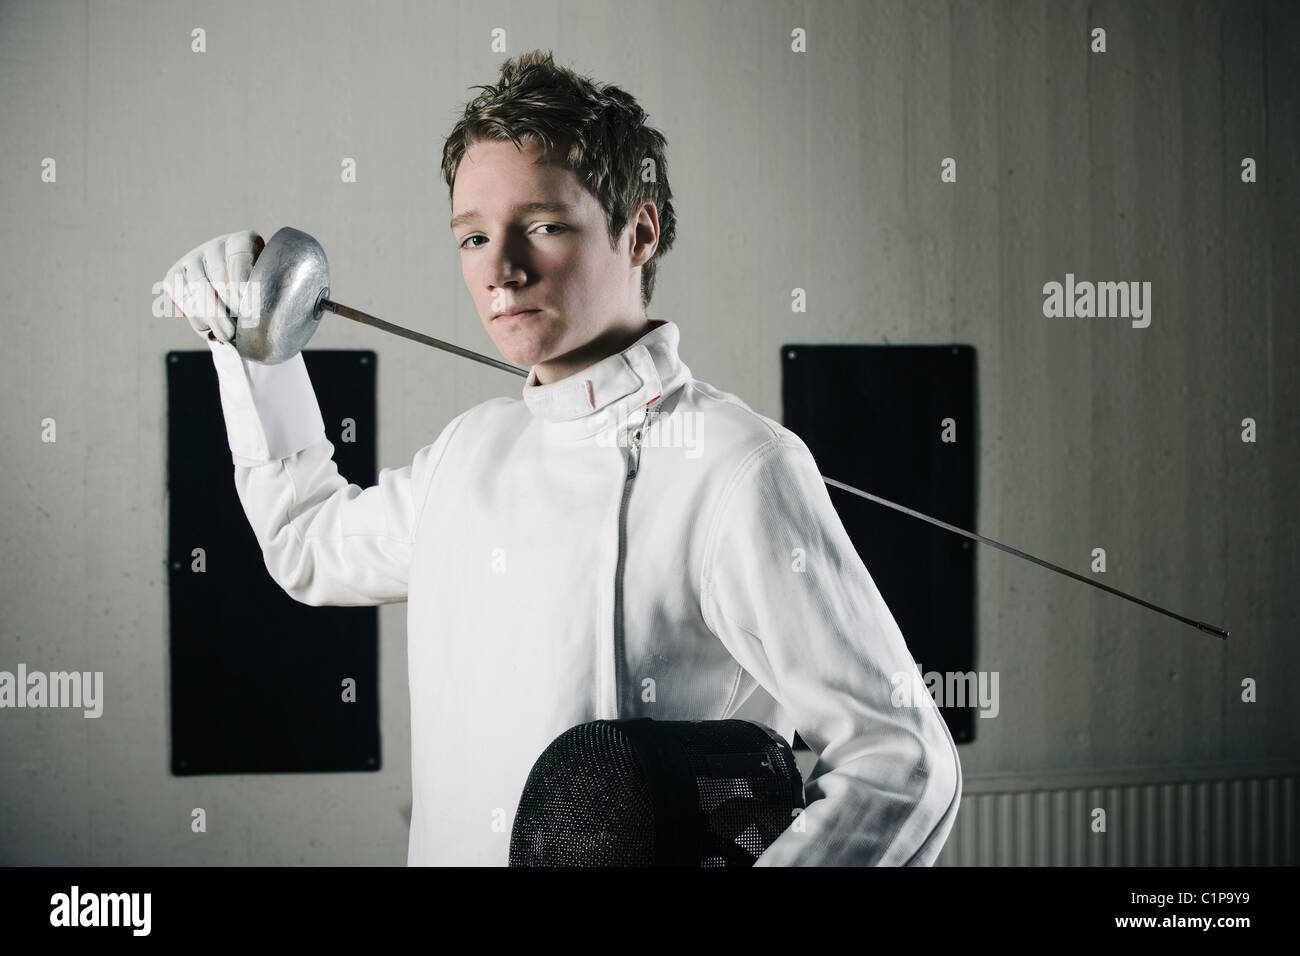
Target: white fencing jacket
[{"x": 563, "y": 562}]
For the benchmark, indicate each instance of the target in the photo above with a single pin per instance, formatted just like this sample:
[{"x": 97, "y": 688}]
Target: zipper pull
[{"x": 634, "y": 456}]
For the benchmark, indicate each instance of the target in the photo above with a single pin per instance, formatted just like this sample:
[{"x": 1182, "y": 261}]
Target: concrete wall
[{"x": 818, "y": 170}]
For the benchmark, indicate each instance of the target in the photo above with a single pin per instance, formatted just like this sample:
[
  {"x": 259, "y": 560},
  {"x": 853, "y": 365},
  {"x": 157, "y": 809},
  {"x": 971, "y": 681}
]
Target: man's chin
[
  {"x": 516, "y": 353},
  {"x": 523, "y": 358}
]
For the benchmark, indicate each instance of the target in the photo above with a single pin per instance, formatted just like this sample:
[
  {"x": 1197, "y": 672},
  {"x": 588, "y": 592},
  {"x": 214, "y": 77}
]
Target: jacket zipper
[{"x": 633, "y": 466}]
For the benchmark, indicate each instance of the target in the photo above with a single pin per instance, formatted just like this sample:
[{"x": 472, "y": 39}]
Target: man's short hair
[{"x": 599, "y": 129}]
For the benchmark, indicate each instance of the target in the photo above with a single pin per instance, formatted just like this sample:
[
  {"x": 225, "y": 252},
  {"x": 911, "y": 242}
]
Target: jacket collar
[{"x": 608, "y": 394}]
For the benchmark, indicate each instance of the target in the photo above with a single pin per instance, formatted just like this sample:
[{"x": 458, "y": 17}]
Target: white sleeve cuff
[{"x": 271, "y": 410}]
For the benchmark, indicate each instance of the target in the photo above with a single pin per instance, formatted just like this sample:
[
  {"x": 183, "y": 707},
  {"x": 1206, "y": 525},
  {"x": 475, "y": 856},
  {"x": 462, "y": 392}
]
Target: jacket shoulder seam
[
  {"x": 454, "y": 427},
  {"x": 730, "y": 400},
  {"x": 747, "y": 464}
]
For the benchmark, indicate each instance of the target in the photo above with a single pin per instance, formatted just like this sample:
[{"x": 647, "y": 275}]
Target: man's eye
[{"x": 545, "y": 225}]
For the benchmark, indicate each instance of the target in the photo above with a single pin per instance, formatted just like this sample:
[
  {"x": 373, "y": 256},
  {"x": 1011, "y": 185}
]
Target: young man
[{"x": 574, "y": 554}]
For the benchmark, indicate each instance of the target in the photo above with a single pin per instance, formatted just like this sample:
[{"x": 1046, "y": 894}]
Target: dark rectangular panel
[
  {"x": 872, "y": 416},
  {"x": 257, "y": 679}
]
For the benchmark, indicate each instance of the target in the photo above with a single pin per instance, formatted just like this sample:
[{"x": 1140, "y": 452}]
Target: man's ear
[{"x": 645, "y": 231}]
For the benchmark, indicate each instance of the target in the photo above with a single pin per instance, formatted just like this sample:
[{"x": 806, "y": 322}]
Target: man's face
[{"x": 556, "y": 261}]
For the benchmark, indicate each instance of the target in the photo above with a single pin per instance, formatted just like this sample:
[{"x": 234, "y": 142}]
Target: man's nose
[{"x": 508, "y": 261}]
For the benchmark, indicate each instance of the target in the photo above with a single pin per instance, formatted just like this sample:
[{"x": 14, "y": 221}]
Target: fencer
[{"x": 561, "y": 561}]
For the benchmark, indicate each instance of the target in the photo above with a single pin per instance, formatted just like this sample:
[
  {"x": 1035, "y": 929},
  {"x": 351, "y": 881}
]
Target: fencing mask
[{"x": 642, "y": 792}]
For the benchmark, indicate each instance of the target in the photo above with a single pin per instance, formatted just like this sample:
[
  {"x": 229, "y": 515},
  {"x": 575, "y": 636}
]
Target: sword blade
[
  {"x": 356, "y": 315},
  {"x": 364, "y": 318},
  {"x": 1199, "y": 625}
]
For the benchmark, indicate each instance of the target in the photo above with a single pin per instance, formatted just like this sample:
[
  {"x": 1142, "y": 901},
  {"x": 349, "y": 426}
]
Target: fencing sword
[{"x": 290, "y": 288}]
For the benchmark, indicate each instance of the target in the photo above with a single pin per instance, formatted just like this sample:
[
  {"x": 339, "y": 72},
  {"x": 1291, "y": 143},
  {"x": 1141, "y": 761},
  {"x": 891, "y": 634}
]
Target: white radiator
[{"x": 1236, "y": 814}]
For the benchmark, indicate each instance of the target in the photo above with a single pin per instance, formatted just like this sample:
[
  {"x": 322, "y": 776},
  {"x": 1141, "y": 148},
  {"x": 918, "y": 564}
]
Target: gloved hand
[{"x": 212, "y": 280}]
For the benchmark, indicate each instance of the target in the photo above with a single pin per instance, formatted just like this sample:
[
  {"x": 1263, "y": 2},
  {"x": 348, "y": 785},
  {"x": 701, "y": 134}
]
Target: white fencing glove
[{"x": 212, "y": 280}]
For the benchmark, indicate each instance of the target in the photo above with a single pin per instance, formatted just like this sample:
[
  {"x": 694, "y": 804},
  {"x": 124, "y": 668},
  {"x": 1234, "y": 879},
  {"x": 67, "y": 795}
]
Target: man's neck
[{"x": 608, "y": 343}]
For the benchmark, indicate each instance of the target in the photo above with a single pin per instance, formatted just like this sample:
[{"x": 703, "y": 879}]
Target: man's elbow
[
  {"x": 292, "y": 571},
  {"x": 941, "y": 799}
]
